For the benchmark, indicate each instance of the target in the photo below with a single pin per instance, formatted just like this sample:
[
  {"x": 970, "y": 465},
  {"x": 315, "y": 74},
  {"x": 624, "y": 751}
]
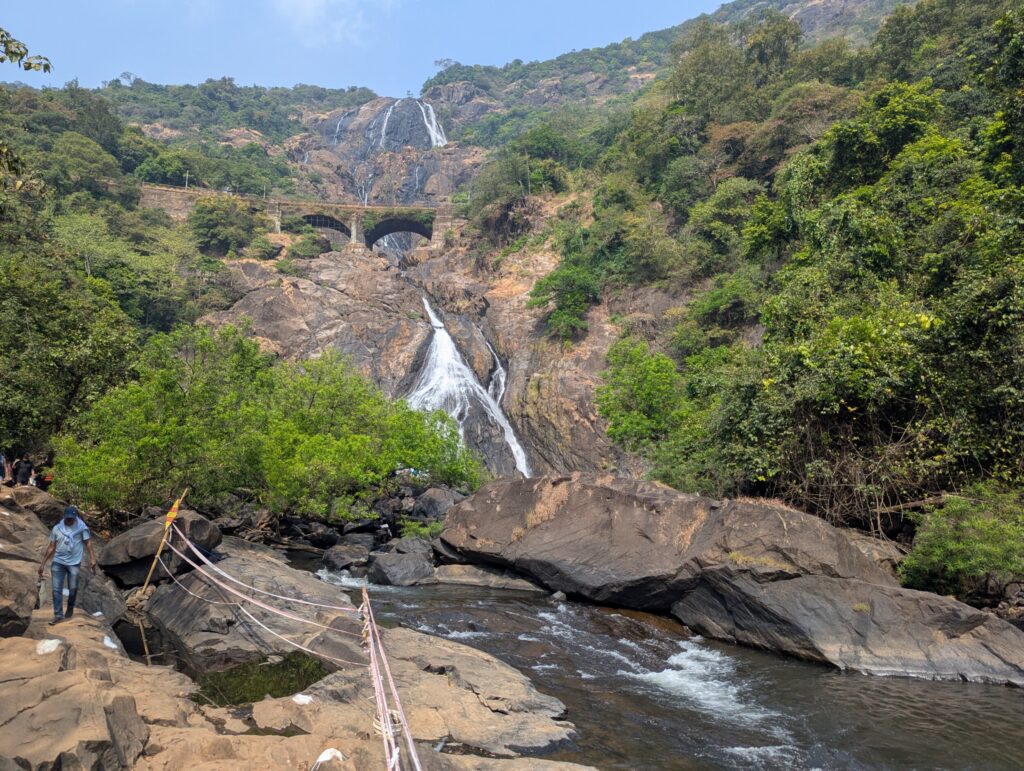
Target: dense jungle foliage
[{"x": 844, "y": 230}]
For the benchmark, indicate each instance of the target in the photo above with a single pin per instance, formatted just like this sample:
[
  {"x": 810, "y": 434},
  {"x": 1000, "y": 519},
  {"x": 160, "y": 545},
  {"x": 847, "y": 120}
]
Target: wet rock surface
[
  {"x": 878, "y": 630},
  {"x": 398, "y": 569},
  {"x": 751, "y": 572}
]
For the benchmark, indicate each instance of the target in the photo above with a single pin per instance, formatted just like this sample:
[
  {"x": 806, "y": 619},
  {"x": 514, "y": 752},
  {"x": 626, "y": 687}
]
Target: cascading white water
[
  {"x": 384, "y": 128},
  {"x": 434, "y": 129},
  {"x": 337, "y": 129},
  {"x": 447, "y": 383},
  {"x": 437, "y": 137}
]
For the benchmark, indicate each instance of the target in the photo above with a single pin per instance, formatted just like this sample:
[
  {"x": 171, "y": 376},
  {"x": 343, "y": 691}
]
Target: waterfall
[
  {"x": 337, "y": 129},
  {"x": 384, "y": 128},
  {"x": 446, "y": 382},
  {"x": 437, "y": 137}
]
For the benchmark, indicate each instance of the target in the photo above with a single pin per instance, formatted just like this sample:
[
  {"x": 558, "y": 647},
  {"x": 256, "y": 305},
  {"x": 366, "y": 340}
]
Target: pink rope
[
  {"x": 255, "y": 620},
  {"x": 216, "y": 569},
  {"x": 413, "y": 756},
  {"x": 387, "y": 731},
  {"x": 256, "y": 602}
]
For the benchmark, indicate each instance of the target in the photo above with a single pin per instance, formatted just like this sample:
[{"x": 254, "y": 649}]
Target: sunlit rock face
[{"x": 387, "y": 151}]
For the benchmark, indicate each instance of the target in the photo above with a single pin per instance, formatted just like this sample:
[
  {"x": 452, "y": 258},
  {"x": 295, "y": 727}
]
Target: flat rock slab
[
  {"x": 489, "y": 578},
  {"x": 879, "y": 630},
  {"x": 487, "y": 705}
]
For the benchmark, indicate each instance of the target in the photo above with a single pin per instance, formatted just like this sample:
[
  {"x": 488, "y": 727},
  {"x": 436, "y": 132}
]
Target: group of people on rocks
[
  {"x": 69, "y": 539},
  {"x": 23, "y": 471}
]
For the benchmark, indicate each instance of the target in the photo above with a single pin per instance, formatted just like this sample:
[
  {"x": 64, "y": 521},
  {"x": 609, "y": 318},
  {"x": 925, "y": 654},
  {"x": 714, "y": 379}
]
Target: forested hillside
[{"x": 843, "y": 231}]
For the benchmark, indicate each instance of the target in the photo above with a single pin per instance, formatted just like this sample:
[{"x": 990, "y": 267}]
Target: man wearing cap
[{"x": 68, "y": 539}]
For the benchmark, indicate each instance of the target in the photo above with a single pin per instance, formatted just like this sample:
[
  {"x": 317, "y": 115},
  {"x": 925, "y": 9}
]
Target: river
[{"x": 645, "y": 694}]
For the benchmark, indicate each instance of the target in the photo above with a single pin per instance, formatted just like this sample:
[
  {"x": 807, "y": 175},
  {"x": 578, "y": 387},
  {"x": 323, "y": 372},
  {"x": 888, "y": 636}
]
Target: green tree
[{"x": 222, "y": 223}]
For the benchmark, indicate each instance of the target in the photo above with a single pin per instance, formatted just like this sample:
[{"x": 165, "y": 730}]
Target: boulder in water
[
  {"x": 754, "y": 572},
  {"x": 878, "y": 630},
  {"x": 480, "y": 575},
  {"x": 345, "y": 556},
  {"x": 397, "y": 569},
  {"x": 128, "y": 556},
  {"x": 640, "y": 544}
]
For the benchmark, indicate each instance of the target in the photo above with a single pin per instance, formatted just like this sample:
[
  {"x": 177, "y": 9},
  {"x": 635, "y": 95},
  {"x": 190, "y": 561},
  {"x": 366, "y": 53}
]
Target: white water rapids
[{"x": 447, "y": 383}]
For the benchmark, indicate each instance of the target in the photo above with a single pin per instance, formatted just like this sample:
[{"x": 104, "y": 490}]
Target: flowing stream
[
  {"x": 447, "y": 383},
  {"x": 646, "y": 695}
]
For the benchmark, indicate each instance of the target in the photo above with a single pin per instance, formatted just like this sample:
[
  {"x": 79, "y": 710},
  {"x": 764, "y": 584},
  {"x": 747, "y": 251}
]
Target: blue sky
[{"x": 387, "y": 45}]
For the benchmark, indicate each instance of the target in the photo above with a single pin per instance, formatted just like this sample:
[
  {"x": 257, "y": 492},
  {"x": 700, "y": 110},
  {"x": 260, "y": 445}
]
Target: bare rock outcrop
[
  {"x": 128, "y": 556},
  {"x": 209, "y": 633},
  {"x": 752, "y": 572}
]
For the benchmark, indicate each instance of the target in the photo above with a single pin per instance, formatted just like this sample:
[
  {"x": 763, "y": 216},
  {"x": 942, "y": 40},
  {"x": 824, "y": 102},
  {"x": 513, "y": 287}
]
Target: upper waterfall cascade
[
  {"x": 434, "y": 129},
  {"x": 446, "y": 382}
]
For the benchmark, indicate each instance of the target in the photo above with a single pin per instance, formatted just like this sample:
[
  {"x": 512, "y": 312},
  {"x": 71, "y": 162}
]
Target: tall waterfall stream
[{"x": 447, "y": 383}]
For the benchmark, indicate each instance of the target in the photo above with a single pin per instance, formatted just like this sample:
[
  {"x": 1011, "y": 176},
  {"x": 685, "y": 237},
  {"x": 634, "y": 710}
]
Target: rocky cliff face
[
  {"x": 372, "y": 310},
  {"x": 387, "y": 151}
]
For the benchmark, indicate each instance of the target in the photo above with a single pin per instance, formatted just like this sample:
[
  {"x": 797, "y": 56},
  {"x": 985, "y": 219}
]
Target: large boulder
[
  {"x": 487, "y": 705},
  {"x": 209, "y": 632},
  {"x": 49, "y": 509},
  {"x": 128, "y": 556},
  {"x": 434, "y": 503},
  {"x": 398, "y": 569},
  {"x": 22, "y": 543},
  {"x": 753, "y": 572},
  {"x": 344, "y": 556},
  {"x": 879, "y": 630},
  {"x": 640, "y": 544}
]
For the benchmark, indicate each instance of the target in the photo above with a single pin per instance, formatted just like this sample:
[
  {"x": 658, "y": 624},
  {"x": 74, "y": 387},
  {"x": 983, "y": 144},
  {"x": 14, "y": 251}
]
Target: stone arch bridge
[{"x": 363, "y": 225}]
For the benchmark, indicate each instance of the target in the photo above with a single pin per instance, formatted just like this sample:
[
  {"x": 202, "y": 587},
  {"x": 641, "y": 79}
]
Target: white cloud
[{"x": 320, "y": 22}]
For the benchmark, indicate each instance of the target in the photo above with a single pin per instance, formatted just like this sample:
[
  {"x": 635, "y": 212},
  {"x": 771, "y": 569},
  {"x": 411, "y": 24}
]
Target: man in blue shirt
[{"x": 68, "y": 539}]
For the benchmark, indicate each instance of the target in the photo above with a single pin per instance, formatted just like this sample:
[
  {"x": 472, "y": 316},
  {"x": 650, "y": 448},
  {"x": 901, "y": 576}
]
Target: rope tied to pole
[{"x": 390, "y": 720}]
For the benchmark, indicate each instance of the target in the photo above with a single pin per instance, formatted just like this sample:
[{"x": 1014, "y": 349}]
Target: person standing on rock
[{"x": 68, "y": 539}]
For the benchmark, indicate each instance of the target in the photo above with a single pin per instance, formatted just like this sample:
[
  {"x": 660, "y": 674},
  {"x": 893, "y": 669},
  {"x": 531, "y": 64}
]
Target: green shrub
[
  {"x": 410, "y": 528},
  {"x": 212, "y": 413},
  {"x": 222, "y": 223},
  {"x": 256, "y": 680},
  {"x": 261, "y": 248},
  {"x": 309, "y": 247},
  {"x": 969, "y": 542}
]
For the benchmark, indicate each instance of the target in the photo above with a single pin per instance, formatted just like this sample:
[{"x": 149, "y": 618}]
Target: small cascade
[
  {"x": 446, "y": 382},
  {"x": 384, "y": 128},
  {"x": 337, "y": 129},
  {"x": 437, "y": 137}
]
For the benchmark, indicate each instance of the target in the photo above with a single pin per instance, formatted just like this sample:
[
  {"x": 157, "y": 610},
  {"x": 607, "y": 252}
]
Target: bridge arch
[
  {"x": 391, "y": 225},
  {"x": 327, "y": 221}
]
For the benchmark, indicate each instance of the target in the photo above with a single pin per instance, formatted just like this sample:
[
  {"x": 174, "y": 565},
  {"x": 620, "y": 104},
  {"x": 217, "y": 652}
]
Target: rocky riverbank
[
  {"x": 754, "y": 572},
  {"x": 73, "y": 697}
]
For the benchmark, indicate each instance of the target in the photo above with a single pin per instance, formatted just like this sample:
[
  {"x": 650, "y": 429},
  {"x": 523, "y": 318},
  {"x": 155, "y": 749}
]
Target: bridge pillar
[
  {"x": 443, "y": 222},
  {"x": 356, "y": 245}
]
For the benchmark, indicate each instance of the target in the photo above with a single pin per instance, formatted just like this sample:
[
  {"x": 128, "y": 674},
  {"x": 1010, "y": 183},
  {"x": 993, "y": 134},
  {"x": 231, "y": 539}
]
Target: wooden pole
[
  {"x": 145, "y": 645},
  {"x": 163, "y": 541}
]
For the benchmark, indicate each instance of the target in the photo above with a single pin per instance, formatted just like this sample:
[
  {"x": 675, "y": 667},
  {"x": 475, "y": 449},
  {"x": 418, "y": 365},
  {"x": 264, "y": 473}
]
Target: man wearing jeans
[{"x": 68, "y": 539}]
